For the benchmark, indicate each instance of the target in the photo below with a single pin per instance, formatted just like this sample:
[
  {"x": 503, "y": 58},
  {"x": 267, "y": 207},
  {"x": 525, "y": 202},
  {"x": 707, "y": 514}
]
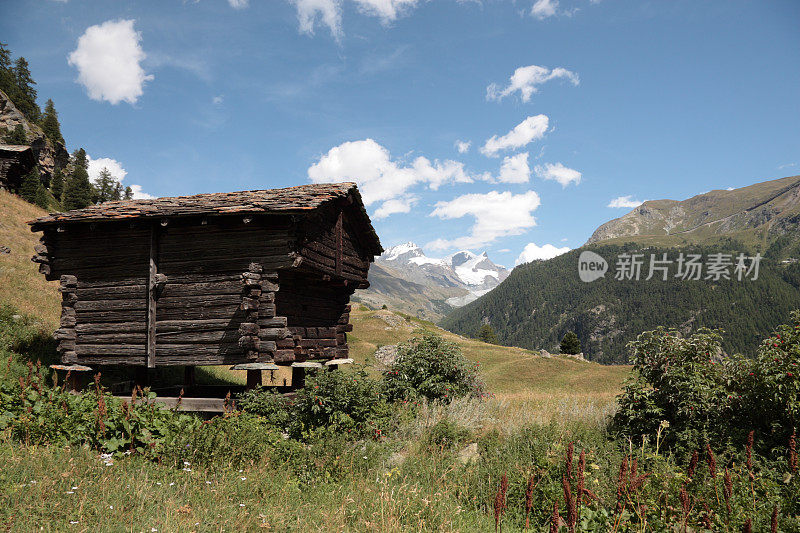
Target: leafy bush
[
  {"x": 695, "y": 396},
  {"x": 273, "y": 407},
  {"x": 446, "y": 434},
  {"x": 340, "y": 402},
  {"x": 431, "y": 367}
]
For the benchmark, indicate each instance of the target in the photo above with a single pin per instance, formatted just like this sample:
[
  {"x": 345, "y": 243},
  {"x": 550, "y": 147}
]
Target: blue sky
[{"x": 646, "y": 100}]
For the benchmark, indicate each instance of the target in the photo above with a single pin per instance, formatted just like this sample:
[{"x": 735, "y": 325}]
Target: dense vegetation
[
  {"x": 543, "y": 300},
  {"x": 346, "y": 455}
]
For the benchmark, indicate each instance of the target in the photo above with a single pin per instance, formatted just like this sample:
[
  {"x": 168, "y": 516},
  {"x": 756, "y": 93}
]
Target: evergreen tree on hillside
[
  {"x": 50, "y": 124},
  {"x": 24, "y": 94},
  {"x": 6, "y": 74},
  {"x": 57, "y": 184},
  {"x": 78, "y": 191},
  {"x": 128, "y": 193},
  {"x": 42, "y": 199},
  {"x": 106, "y": 187},
  {"x": 16, "y": 136},
  {"x": 487, "y": 334},
  {"x": 570, "y": 344},
  {"x": 29, "y": 186}
]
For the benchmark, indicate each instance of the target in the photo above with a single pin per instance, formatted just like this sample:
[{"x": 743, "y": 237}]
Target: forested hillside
[{"x": 541, "y": 301}]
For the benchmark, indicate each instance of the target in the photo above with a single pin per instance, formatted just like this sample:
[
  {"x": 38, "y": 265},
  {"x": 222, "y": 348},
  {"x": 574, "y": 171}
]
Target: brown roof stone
[{"x": 291, "y": 200}]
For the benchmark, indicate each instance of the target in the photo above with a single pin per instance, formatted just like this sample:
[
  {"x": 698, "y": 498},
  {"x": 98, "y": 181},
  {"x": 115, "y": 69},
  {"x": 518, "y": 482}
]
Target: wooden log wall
[
  {"x": 317, "y": 314},
  {"x": 334, "y": 250}
]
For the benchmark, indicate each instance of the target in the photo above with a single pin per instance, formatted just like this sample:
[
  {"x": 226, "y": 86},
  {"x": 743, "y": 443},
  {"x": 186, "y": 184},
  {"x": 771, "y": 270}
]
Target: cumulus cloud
[
  {"x": 108, "y": 58},
  {"x": 496, "y": 214},
  {"x": 527, "y": 80},
  {"x": 114, "y": 167},
  {"x": 625, "y": 202},
  {"x": 534, "y": 252},
  {"x": 381, "y": 178},
  {"x": 463, "y": 146},
  {"x": 217, "y": 100},
  {"x": 531, "y": 129},
  {"x": 138, "y": 194},
  {"x": 397, "y": 205},
  {"x": 515, "y": 169},
  {"x": 542, "y": 9},
  {"x": 559, "y": 173}
]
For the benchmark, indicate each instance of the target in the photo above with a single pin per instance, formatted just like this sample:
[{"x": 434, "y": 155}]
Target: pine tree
[
  {"x": 29, "y": 186},
  {"x": 78, "y": 191},
  {"x": 107, "y": 188},
  {"x": 57, "y": 184},
  {"x": 128, "y": 193},
  {"x": 24, "y": 96},
  {"x": 50, "y": 124},
  {"x": 570, "y": 344},
  {"x": 16, "y": 136},
  {"x": 487, "y": 334},
  {"x": 6, "y": 75},
  {"x": 42, "y": 199}
]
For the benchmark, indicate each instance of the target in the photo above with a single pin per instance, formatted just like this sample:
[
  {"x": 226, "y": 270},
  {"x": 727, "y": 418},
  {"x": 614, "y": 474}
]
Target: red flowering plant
[{"x": 770, "y": 385}]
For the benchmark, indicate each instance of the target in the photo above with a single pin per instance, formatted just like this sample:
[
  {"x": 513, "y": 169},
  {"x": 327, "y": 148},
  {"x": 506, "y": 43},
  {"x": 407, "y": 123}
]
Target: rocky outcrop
[{"x": 48, "y": 155}]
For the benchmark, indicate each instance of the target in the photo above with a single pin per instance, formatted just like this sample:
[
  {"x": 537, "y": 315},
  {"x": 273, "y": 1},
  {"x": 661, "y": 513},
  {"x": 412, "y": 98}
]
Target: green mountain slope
[{"x": 541, "y": 301}]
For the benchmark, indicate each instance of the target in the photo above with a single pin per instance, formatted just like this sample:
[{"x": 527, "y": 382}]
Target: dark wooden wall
[{"x": 225, "y": 289}]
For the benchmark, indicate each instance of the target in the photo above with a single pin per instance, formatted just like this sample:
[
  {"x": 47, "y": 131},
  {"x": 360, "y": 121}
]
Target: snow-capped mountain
[{"x": 476, "y": 274}]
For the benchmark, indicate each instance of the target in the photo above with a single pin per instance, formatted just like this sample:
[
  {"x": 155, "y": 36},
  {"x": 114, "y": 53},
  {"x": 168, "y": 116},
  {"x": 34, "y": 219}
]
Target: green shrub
[
  {"x": 26, "y": 336},
  {"x": 431, "y": 367},
  {"x": 695, "y": 396},
  {"x": 340, "y": 402},
  {"x": 270, "y": 405}
]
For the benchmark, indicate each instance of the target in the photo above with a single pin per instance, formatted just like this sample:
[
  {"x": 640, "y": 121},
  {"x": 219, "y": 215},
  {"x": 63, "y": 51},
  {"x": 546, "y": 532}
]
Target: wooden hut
[
  {"x": 15, "y": 162},
  {"x": 243, "y": 278}
]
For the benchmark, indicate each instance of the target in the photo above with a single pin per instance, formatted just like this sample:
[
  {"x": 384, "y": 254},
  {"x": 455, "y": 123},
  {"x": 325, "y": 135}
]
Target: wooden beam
[
  {"x": 151, "y": 299},
  {"x": 339, "y": 244}
]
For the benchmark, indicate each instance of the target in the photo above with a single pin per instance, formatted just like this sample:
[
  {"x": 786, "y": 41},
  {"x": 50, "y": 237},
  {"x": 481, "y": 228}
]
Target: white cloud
[
  {"x": 533, "y": 252},
  {"x": 626, "y": 202},
  {"x": 515, "y": 169},
  {"x": 463, "y": 146},
  {"x": 326, "y": 12},
  {"x": 558, "y": 172},
  {"x": 396, "y": 205},
  {"x": 527, "y": 80},
  {"x": 138, "y": 194},
  {"x": 108, "y": 58},
  {"x": 218, "y": 99},
  {"x": 496, "y": 214},
  {"x": 531, "y": 129},
  {"x": 787, "y": 165},
  {"x": 542, "y": 9},
  {"x": 387, "y": 10},
  {"x": 379, "y": 177},
  {"x": 114, "y": 167},
  {"x": 239, "y": 4}
]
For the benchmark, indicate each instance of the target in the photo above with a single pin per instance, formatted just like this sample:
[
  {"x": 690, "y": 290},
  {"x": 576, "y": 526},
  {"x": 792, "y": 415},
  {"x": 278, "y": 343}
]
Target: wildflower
[
  {"x": 244, "y": 479},
  {"x": 773, "y": 523},
  {"x": 711, "y": 460},
  {"x": 793, "y": 452}
]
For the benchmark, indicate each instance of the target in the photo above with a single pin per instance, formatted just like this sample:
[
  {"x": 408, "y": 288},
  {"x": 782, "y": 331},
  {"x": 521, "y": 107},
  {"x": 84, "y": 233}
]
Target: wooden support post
[
  {"x": 151, "y": 298},
  {"x": 339, "y": 244},
  {"x": 188, "y": 377},
  {"x": 253, "y": 379},
  {"x": 298, "y": 378}
]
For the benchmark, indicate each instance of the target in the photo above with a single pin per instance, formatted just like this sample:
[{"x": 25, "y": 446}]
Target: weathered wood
[
  {"x": 151, "y": 299},
  {"x": 278, "y": 321},
  {"x": 267, "y": 346},
  {"x": 284, "y": 356},
  {"x": 113, "y": 338},
  {"x": 106, "y": 349},
  {"x": 198, "y": 337},
  {"x": 111, "y": 327}
]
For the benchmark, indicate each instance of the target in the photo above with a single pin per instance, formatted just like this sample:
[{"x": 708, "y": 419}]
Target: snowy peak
[{"x": 477, "y": 274}]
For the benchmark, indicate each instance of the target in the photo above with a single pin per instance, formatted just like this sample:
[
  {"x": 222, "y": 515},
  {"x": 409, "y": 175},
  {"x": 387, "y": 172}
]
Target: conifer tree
[
  {"x": 50, "y": 124},
  {"x": 57, "y": 184},
  {"x": 107, "y": 188},
  {"x": 29, "y": 186},
  {"x": 24, "y": 95},
  {"x": 6, "y": 74},
  {"x": 128, "y": 193},
  {"x": 570, "y": 344},
  {"x": 487, "y": 334},
  {"x": 16, "y": 136},
  {"x": 42, "y": 199},
  {"x": 78, "y": 191}
]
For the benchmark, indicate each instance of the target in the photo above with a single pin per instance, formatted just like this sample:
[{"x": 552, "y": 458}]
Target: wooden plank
[
  {"x": 151, "y": 299},
  {"x": 111, "y": 327}
]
